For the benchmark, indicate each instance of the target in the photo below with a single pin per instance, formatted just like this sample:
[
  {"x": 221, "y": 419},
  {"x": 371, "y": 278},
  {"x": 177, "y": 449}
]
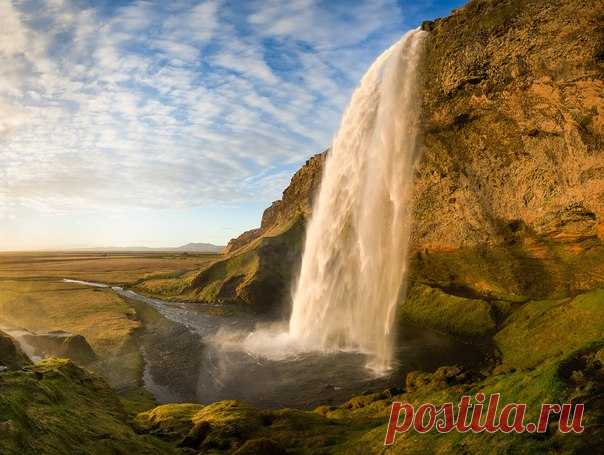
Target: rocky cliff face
[
  {"x": 509, "y": 193},
  {"x": 513, "y": 159},
  {"x": 259, "y": 265},
  {"x": 297, "y": 200}
]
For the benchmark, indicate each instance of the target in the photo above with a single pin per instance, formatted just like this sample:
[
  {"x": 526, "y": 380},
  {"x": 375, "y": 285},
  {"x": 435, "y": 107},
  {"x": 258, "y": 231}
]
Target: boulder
[
  {"x": 11, "y": 355},
  {"x": 61, "y": 344}
]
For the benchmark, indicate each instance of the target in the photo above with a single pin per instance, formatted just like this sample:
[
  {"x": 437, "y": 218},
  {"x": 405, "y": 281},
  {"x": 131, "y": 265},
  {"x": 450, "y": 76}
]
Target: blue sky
[{"x": 127, "y": 122}]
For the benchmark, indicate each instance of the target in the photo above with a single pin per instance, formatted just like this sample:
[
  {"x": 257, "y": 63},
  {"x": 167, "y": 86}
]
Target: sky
[{"x": 158, "y": 123}]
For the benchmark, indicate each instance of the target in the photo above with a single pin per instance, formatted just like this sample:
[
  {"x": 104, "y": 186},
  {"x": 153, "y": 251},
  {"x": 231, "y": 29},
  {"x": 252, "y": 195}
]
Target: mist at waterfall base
[
  {"x": 339, "y": 341},
  {"x": 353, "y": 264}
]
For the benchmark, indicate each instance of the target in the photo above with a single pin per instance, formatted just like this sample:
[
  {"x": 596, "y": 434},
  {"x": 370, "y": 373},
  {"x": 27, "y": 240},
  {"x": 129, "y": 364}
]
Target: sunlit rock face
[{"x": 508, "y": 198}]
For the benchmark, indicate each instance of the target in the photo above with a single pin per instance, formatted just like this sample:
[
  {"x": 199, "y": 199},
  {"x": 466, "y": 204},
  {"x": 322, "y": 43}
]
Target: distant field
[
  {"x": 34, "y": 297},
  {"x": 113, "y": 268}
]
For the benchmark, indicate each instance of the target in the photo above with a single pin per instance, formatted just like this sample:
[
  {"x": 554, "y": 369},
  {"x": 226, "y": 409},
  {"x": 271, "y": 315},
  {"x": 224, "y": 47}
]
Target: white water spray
[
  {"x": 356, "y": 243},
  {"x": 354, "y": 259}
]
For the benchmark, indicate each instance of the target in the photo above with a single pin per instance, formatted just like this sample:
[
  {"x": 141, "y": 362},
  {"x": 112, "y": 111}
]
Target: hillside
[
  {"x": 507, "y": 253},
  {"x": 509, "y": 192}
]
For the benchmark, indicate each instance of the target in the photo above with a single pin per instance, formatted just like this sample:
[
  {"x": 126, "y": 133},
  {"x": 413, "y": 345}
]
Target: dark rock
[
  {"x": 427, "y": 26},
  {"x": 197, "y": 435},
  {"x": 11, "y": 355},
  {"x": 260, "y": 446},
  {"x": 62, "y": 344}
]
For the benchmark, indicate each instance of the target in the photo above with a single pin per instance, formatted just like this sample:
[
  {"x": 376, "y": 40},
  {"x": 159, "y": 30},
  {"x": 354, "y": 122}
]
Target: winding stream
[{"x": 224, "y": 369}]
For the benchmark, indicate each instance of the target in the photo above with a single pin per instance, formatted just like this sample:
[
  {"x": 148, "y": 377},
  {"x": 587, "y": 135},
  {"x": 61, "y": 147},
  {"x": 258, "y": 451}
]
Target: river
[{"x": 219, "y": 366}]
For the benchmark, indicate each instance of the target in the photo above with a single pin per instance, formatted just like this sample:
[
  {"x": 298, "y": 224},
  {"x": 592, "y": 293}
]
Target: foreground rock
[
  {"x": 59, "y": 343},
  {"x": 565, "y": 366},
  {"x": 56, "y": 407},
  {"x": 11, "y": 355}
]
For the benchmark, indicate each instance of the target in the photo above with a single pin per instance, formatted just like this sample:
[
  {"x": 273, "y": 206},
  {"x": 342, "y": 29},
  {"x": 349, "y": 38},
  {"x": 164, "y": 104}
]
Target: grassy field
[
  {"x": 34, "y": 297},
  {"x": 113, "y": 268}
]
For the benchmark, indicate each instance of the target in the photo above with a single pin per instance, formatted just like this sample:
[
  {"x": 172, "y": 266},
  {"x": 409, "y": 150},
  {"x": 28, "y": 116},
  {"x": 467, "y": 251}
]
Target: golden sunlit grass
[
  {"x": 113, "y": 268},
  {"x": 106, "y": 321},
  {"x": 34, "y": 297},
  {"x": 97, "y": 314}
]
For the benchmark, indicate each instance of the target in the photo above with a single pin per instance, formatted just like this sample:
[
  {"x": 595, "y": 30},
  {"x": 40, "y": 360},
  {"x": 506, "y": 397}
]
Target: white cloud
[{"x": 172, "y": 104}]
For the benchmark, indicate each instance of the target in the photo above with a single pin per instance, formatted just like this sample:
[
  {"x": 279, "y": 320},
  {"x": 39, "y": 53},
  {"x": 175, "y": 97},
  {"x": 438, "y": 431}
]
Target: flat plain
[{"x": 34, "y": 297}]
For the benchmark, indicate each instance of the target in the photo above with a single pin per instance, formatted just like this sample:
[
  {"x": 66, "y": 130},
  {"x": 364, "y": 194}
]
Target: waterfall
[{"x": 354, "y": 259}]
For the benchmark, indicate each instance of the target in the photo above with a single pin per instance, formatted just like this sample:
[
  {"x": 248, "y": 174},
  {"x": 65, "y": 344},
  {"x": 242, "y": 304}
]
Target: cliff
[
  {"x": 258, "y": 266},
  {"x": 512, "y": 170},
  {"x": 297, "y": 200},
  {"x": 509, "y": 192}
]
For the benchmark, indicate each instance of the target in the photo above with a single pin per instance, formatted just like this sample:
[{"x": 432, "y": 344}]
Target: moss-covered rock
[
  {"x": 56, "y": 407},
  {"x": 542, "y": 330},
  {"x": 232, "y": 426},
  {"x": 432, "y": 307}
]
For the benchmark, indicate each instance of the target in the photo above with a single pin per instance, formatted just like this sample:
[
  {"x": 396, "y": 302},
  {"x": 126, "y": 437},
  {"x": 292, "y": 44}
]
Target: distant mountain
[
  {"x": 188, "y": 248},
  {"x": 199, "y": 248}
]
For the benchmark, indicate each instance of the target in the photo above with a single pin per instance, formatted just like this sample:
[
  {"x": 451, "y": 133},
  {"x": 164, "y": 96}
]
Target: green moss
[
  {"x": 432, "y": 307},
  {"x": 229, "y": 425},
  {"x": 136, "y": 400},
  {"x": 258, "y": 275},
  {"x": 170, "y": 420},
  {"x": 543, "y": 384},
  {"x": 546, "y": 329},
  {"x": 57, "y": 408}
]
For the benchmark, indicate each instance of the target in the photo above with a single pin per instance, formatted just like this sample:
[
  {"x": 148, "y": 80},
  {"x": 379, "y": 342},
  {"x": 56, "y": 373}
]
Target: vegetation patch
[
  {"x": 56, "y": 407},
  {"x": 431, "y": 307}
]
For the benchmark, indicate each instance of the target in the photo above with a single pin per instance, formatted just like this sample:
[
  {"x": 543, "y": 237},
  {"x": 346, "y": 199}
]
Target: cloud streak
[{"x": 174, "y": 104}]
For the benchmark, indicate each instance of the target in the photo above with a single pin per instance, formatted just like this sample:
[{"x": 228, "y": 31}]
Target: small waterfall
[{"x": 356, "y": 243}]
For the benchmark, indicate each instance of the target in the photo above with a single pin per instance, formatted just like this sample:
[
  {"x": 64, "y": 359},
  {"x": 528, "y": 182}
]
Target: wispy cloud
[{"x": 173, "y": 104}]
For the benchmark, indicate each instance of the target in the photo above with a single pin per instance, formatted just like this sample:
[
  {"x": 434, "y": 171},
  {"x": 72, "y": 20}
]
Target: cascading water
[
  {"x": 356, "y": 243},
  {"x": 354, "y": 258}
]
